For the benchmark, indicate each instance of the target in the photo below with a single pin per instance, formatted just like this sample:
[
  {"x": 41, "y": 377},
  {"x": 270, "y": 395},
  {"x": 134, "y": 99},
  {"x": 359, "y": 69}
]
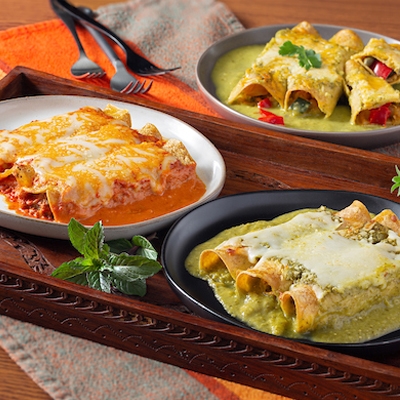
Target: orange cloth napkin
[{"x": 169, "y": 33}]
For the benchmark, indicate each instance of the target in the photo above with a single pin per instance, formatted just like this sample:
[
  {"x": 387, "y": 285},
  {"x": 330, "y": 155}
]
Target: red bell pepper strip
[
  {"x": 380, "y": 69},
  {"x": 271, "y": 118},
  {"x": 379, "y": 115},
  {"x": 268, "y": 116},
  {"x": 264, "y": 103}
]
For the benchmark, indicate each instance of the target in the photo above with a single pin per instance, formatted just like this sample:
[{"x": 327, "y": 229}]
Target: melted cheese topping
[
  {"x": 90, "y": 159},
  {"x": 310, "y": 239},
  {"x": 281, "y": 76}
]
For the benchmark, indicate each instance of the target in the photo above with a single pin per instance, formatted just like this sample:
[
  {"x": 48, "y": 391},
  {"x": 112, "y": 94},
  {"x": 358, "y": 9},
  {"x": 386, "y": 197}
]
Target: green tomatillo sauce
[
  {"x": 262, "y": 311},
  {"x": 230, "y": 68}
]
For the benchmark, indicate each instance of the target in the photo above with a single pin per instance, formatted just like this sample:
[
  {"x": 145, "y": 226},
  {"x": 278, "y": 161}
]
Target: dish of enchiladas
[
  {"x": 98, "y": 163},
  {"x": 309, "y": 273},
  {"x": 293, "y": 79},
  {"x": 280, "y": 263}
]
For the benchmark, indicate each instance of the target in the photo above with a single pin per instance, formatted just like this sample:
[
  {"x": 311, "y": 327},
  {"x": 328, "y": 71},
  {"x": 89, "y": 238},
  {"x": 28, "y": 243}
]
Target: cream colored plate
[{"x": 210, "y": 164}]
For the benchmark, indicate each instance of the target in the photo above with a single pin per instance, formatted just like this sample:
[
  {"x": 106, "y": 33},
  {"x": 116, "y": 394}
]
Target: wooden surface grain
[{"x": 368, "y": 15}]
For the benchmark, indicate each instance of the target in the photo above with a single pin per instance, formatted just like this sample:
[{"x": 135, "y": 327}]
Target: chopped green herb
[
  {"x": 396, "y": 181},
  {"x": 108, "y": 266},
  {"x": 307, "y": 57}
]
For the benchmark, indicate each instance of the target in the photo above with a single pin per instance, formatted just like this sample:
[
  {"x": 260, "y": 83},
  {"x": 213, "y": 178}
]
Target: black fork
[{"x": 134, "y": 61}]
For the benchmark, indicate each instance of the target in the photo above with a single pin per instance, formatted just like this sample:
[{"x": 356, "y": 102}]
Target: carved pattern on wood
[
  {"x": 202, "y": 348},
  {"x": 28, "y": 251},
  {"x": 194, "y": 350}
]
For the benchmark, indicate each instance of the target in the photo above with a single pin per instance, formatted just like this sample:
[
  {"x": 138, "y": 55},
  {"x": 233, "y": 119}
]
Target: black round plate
[{"x": 209, "y": 219}]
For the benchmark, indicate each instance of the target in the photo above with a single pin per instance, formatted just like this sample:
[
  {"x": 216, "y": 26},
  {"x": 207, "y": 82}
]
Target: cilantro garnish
[
  {"x": 307, "y": 57},
  {"x": 108, "y": 266},
  {"x": 396, "y": 181}
]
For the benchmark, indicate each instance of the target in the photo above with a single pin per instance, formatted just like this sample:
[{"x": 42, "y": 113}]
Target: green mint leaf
[
  {"x": 99, "y": 280},
  {"x": 307, "y": 57},
  {"x": 119, "y": 245},
  {"x": 139, "y": 268},
  {"x": 137, "y": 288},
  {"x": 79, "y": 279},
  {"x": 77, "y": 233},
  {"x": 146, "y": 249},
  {"x": 137, "y": 245},
  {"x": 104, "y": 270},
  {"x": 70, "y": 269},
  {"x": 94, "y": 241}
]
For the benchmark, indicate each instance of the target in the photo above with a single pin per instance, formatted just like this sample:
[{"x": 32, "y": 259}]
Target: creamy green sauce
[
  {"x": 230, "y": 68},
  {"x": 262, "y": 311}
]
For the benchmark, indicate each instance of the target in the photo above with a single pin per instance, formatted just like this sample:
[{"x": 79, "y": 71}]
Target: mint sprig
[
  {"x": 308, "y": 58},
  {"x": 122, "y": 265},
  {"x": 396, "y": 182}
]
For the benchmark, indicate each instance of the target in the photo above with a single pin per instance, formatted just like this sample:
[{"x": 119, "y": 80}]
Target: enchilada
[
  {"x": 287, "y": 84},
  {"x": 86, "y": 161},
  {"x": 321, "y": 268},
  {"x": 381, "y": 59},
  {"x": 372, "y": 99}
]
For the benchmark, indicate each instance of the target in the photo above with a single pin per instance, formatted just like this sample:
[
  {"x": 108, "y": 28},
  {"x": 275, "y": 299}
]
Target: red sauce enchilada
[
  {"x": 91, "y": 164},
  {"x": 315, "y": 274}
]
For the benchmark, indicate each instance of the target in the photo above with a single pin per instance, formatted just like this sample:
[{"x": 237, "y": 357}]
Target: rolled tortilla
[
  {"x": 283, "y": 80},
  {"x": 235, "y": 259},
  {"x": 269, "y": 73},
  {"x": 368, "y": 92},
  {"x": 387, "y": 53},
  {"x": 301, "y": 304},
  {"x": 267, "y": 276}
]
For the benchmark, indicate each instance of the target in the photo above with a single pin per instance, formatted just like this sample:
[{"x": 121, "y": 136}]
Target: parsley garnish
[
  {"x": 102, "y": 269},
  {"x": 307, "y": 57},
  {"x": 396, "y": 181}
]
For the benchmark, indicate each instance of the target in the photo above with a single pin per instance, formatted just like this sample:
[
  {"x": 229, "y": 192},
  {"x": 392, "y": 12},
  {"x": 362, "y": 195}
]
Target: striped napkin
[{"x": 169, "y": 33}]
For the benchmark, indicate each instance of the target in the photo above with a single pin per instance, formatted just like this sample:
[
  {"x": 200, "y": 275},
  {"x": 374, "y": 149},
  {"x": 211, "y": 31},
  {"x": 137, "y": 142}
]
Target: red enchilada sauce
[{"x": 152, "y": 206}]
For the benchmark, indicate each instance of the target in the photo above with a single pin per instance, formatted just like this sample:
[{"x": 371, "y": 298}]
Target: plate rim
[{"x": 56, "y": 230}]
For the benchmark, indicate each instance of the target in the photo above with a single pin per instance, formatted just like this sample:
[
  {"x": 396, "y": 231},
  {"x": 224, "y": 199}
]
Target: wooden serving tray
[{"x": 158, "y": 326}]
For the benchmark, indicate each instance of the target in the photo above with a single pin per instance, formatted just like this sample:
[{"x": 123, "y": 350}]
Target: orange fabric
[
  {"x": 49, "y": 47},
  {"x": 226, "y": 390}
]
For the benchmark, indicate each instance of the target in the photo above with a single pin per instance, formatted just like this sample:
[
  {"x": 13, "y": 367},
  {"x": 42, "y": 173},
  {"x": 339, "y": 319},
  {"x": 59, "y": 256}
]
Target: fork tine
[
  {"x": 90, "y": 75},
  {"x": 139, "y": 88},
  {"x": 130, "y": 87},
  {"x": 95, "y": 75},
  {"x": 83, "y": 76},
  {"x": 100, "y": 74},
  {"x": 143, "y": 89}
]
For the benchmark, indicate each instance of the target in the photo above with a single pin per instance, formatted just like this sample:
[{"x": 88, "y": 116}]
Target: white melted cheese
[{"x": 311, "y": 240}]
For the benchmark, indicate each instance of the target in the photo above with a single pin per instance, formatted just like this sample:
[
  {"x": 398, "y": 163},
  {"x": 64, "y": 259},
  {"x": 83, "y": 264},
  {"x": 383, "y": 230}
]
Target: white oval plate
[
  {"x": 362, "y": 139},
  {"x": 210, "y": 164}
]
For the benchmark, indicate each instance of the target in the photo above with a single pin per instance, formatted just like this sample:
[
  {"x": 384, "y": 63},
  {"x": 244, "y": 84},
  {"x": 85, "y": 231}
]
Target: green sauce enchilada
[
  {"x": 260, "y": 81},
  {"x": 316, "y": 274}
]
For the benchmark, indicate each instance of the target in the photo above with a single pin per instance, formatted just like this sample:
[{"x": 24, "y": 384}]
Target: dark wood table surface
[{"x": 368, "y": 15}]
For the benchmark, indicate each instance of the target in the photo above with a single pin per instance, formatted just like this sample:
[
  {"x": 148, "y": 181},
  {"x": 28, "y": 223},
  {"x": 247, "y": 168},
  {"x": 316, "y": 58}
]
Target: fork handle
[
  {"x": 78, "y": 14},
  {"x": 69, "y": 22},
  {"x": 103, "y": 43}
]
